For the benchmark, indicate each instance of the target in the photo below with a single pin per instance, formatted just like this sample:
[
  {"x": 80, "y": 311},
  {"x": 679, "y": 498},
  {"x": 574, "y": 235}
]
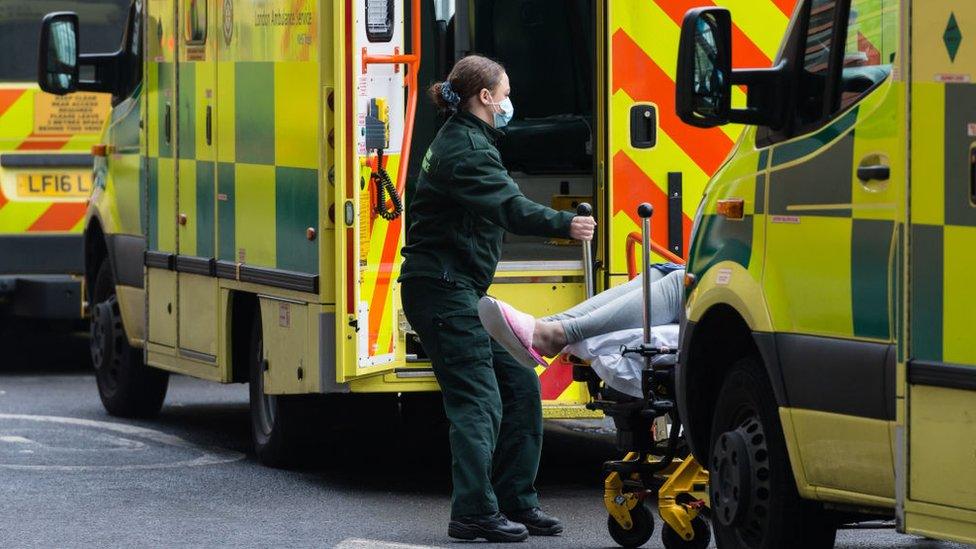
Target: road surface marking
[
  {"x": 14, "y": 439},
  {"x": 209, "y": 455},
  {"x": 360, "y": 543}
]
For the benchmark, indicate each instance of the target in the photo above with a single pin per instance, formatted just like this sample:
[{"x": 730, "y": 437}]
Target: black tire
[
  {"x": 703, "y": 536},
  {"x": 276, "y": 421},
  {"x": 641, "y": 531},
  {"x": 127, "y": 387},
  {"x": 755, "y": 504}
]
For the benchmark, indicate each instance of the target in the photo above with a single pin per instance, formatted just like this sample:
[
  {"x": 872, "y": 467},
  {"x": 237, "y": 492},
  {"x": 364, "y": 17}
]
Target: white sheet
[{"x": 623, "y": 373}]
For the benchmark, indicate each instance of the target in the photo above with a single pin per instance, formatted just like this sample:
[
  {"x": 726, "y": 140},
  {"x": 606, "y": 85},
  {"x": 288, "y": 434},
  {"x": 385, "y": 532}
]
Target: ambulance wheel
[
  {"x": 754, "y": 500},
  {"x": 127, "y": 387},
  {"x": 639, "y": 533},
  {"x": 275, "y": 419},
  {"x": 703, "y": 536}
]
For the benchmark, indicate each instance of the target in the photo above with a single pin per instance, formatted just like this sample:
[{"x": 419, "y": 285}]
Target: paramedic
[{"x": 463, "y": 203}]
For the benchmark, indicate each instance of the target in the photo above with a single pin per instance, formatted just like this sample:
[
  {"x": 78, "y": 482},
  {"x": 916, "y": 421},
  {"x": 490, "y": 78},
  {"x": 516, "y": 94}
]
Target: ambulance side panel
[
  {"x": 809, "y": 273},
  {"x": 939, "y": 442},
  {"x": 234, "y": 185}
]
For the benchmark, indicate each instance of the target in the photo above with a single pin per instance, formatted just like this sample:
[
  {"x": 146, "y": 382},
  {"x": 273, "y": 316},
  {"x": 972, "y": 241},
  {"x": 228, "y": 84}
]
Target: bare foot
[{"x": 548, "y": 338}]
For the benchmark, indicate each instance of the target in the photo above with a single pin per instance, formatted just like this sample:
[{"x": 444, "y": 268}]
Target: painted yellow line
[{"x": 848, "y": 206}]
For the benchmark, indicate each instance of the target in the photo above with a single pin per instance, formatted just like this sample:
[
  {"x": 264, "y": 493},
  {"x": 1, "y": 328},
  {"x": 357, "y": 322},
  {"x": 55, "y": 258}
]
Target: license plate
[{"x": 54, "y": 185}]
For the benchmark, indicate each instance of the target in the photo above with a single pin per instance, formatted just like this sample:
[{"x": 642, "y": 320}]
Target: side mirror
[
  {"x": 704, "y": 77},
  {"x": 57, "y": 70}
]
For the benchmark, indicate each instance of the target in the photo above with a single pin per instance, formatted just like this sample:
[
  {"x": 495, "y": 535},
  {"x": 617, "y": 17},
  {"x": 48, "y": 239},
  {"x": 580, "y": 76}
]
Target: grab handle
[
  {"x": 635, "y": 239},
  {"x": 412, "y": 61},
  {"x": 645, "y": 211},
  {"x": 586, "y": 210}
]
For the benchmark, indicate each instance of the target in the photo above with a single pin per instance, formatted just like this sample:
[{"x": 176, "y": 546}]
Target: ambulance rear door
[
  {"x": 196, "y": 179},
  {"x": 370, "y": 108},
  {"x": 651, "y": 155},
  {"x": 938, "y": 445}
]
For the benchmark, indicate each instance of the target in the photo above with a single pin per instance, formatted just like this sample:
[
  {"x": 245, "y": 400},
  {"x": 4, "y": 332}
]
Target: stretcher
[{"x": 630, "y": 376}]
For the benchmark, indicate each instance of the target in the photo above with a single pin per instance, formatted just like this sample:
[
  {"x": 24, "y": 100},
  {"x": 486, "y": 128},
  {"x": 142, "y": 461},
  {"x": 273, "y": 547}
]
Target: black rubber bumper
[
  {"x": 42, "y": 254},
  {"x": 55, "y": 297}
]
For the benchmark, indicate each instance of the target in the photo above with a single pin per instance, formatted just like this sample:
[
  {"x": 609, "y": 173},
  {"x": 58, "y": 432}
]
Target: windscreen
[{"x": 102, "y": 23}]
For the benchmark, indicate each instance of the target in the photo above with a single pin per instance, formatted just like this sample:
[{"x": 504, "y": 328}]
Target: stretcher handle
[
  {"x": 645, "y": 211},
  {"x": 586, "y": 210},
  {"x": 412, "y": 61}
]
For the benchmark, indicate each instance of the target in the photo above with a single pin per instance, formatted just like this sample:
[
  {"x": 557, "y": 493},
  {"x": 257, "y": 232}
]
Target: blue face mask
[{"x": 508, "y": 111}]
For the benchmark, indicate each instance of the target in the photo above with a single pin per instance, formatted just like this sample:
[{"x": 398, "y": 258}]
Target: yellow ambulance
[
  {"x": 828, "y": 368},
  {"x": 45, "y": 163},
  {"x": 242, "y": 228}
]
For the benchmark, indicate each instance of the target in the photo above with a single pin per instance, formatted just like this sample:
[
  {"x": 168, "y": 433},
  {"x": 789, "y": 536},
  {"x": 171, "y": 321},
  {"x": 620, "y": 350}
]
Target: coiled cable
[{"x": 385, "y": 185}]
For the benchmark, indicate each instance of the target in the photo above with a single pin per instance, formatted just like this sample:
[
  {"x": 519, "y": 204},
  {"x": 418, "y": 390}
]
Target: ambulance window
[
  {"x": 443, "y": 10},
  {"x": 195, "y": 28},
  {"x": 872, "y": 35},
  {"x": 815, "y": 75},
  {"x": 379, "y": 20},
  {"x": 130, "y": 67}
]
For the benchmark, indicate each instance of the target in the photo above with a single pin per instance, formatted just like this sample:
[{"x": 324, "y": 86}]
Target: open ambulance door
[
  {"x": 937, "y": 443},
  {"x": 373, "y": 112},
  {"x": 651, "y": 155}
]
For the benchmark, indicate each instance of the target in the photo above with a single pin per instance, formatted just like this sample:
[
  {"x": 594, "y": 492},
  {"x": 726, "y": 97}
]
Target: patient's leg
[
  {"x": 625, "y": 311},
  {"x": 597, "y": 301}
]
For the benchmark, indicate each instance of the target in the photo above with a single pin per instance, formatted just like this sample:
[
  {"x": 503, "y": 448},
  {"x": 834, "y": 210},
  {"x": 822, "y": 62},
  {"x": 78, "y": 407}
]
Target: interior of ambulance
[{"x": 548, "y": 49}]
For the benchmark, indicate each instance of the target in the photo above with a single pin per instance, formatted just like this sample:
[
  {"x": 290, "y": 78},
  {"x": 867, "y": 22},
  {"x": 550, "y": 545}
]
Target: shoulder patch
[{"x": 426, "y": 163}]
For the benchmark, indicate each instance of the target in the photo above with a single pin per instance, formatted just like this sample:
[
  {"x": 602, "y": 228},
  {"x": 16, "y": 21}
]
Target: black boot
[
  {"x": 494, "y": 528},
  {"x": 537, "y": 522}
]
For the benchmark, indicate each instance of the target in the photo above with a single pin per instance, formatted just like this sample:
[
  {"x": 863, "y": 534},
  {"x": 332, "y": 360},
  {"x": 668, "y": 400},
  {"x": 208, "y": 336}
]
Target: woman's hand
[{"x": 582, "y": 228}]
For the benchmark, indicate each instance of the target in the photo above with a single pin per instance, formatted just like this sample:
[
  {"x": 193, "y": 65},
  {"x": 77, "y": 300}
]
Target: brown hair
[{"x": 468, "y": 77}]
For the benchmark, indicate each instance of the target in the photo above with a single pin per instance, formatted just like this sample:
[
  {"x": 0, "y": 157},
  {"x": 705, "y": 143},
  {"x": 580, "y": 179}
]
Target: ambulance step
[{"x": 406, "y": 373}]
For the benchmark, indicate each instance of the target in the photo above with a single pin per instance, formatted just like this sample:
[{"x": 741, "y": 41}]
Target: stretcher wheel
[
  {"x": 639, "y": 533},
  {"x": 703, "y": 536}
]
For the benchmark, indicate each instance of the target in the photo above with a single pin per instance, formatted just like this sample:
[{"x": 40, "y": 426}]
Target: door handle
[
  {"x": 209, "y": 125},
  {"x": 873, "y": 172},
  {"x": 972, "y": 176},
  {"x": 643, "y": 126},
  {"x": 168, "y": 122}
]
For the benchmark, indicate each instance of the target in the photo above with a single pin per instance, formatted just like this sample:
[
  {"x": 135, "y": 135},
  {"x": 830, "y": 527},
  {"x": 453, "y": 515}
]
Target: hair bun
[{"x": 450, "y": 96}]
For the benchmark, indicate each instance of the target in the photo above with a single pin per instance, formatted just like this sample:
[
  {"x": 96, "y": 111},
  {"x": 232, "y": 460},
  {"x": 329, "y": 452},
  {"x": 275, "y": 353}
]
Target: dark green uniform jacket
[{"x": 463, "y": 204}]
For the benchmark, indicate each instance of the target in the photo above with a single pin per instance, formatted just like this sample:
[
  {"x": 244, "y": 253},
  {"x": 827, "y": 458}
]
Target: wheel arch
[
  {"x": 96, "y": 250},
  {"x": 709, "y": 348}
]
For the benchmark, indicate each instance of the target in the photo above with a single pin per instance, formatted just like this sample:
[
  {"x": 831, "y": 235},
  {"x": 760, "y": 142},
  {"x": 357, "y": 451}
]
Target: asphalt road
[{"x": 72, "y": 476}]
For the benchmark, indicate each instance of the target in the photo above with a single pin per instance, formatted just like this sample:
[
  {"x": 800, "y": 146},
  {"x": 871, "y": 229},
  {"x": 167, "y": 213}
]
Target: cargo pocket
[{"x": 461, "y": 337}]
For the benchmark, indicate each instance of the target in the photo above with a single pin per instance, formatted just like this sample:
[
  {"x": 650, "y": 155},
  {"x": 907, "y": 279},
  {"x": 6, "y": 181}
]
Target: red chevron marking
[
  {"x": 377, "y": 305},
  {"x": 8, "y": 97},
  {"x": 641, "y": 188},
  {"x": 556, "y": 378},
  {"x": 61, "y": 216},
  {"x": 745, "y": 52},
  {"x": 643, "y": 80},
  {"x": 785, "y": 6}
]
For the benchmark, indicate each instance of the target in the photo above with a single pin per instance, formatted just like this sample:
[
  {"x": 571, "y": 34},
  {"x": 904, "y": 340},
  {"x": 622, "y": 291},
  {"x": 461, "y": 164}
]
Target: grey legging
[{"x": 622, "y": 307}]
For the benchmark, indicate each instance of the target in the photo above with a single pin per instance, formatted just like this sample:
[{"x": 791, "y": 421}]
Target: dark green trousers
[{"x": 492, "y": 402}]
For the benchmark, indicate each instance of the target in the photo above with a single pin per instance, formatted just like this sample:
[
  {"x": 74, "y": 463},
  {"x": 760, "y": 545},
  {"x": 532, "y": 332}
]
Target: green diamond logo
[{"x": 952, "y": 37}]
